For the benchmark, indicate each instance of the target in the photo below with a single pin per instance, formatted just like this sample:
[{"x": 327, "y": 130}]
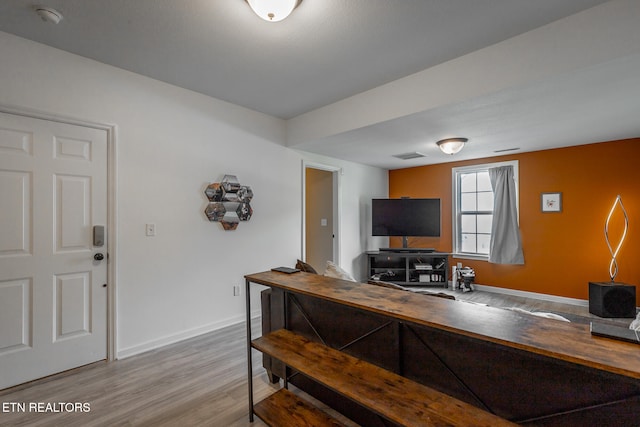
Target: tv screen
[{"x": 405, "y": 217}]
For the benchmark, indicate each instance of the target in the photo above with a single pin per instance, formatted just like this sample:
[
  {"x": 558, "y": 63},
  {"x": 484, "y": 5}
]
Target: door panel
[
  {"x": 73, "y": 304},
  {"x": 15, "y": 316},
  {"x": 15, "y": 193},
  {"x": 14, "y": 141},
  {"x": 53, "y": 187},
  {"x": 72, "y": 201}
]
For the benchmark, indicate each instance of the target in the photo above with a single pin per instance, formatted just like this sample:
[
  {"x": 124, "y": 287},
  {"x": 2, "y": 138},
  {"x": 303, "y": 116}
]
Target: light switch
[
  {"x": 323, "y": 222},
  {"x": 150, "y": 229}
]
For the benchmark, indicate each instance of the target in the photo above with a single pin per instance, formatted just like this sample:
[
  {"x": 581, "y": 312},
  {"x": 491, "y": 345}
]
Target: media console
[{"x": 406, "y": 267}]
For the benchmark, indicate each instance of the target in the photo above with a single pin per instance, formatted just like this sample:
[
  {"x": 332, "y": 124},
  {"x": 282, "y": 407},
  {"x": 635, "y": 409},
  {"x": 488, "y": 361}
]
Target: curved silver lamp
[{"x": 613, "y": 265}]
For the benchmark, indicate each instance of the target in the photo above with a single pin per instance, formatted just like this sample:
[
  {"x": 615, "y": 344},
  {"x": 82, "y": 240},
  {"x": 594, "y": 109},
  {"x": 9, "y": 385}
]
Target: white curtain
[{"x": 505, "y": 246}]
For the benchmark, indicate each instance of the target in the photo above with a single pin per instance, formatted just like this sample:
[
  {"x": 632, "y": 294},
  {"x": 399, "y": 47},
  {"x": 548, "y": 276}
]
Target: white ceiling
[{"x": 329, "y": 51}]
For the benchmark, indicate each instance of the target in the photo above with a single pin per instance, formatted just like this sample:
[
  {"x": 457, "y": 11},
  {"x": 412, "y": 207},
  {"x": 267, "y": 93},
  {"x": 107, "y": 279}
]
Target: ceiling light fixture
[
  {"x": 48, "y": 14},
  {"x": 273, "y": 10},
  {"x": 451, "y": 145}
]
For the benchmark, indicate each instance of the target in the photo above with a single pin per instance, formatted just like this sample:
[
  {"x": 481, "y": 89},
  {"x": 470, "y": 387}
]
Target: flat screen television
[{"x": 405, "y": 217}]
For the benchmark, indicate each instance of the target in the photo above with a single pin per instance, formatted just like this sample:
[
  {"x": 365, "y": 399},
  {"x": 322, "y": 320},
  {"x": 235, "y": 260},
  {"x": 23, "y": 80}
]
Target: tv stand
[{"x": 409, "y": 266}]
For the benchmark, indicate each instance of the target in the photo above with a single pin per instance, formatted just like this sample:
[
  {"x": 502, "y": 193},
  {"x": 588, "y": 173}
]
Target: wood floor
[{"x": 197, "y": 382}]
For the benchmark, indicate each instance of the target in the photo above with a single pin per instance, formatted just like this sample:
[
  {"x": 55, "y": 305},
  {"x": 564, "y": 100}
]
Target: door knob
[{"x": 98, "y": 256}]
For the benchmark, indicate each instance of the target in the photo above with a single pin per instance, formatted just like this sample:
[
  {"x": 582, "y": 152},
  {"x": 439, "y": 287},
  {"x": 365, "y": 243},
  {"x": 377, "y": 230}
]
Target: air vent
[
  {"x": 409, "y": 156},
  {"x": 506, "y": 149}
]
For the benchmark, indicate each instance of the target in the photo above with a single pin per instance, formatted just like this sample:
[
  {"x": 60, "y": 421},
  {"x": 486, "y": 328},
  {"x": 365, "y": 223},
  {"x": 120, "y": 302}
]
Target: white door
[{"x": 53, "y": 296}]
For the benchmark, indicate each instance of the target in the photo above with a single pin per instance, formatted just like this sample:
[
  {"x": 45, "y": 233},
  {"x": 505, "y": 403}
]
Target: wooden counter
[
  {"x": 561, "y": 340},
  {"x": 526, "y": 369}
]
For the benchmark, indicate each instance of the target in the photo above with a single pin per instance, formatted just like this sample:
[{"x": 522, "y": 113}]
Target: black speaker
[{"x": 610, "y": 299}]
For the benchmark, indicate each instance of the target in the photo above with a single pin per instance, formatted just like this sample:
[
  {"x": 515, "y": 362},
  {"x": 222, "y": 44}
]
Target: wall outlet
[{"x": 236, "y": 290}]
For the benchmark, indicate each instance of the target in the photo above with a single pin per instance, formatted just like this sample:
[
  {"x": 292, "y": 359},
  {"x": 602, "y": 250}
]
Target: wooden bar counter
[{"x": 526, "y": 369}]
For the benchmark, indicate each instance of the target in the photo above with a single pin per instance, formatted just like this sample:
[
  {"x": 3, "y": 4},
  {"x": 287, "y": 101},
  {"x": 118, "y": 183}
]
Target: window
[{"x": 473, "y": 209}]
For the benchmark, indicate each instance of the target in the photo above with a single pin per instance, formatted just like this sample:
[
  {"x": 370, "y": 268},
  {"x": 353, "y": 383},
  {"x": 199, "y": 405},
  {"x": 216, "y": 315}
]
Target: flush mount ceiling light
[
  {"x": 451, "y": 145},
  {"x": 273, "y": 10},
  {"x": 48, "y": 14}
]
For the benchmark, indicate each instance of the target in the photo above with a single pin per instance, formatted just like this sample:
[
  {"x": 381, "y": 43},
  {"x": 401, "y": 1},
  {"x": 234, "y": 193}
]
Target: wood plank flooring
[{"x": 196, "y": 382}]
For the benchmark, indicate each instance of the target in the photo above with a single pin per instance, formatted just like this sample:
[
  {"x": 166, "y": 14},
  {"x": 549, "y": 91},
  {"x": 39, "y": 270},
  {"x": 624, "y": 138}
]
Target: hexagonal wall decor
[
  {"x": 215, "y": 211},
  {"x": 228, "y": 202},
  {"x": 214, "y": 192}
]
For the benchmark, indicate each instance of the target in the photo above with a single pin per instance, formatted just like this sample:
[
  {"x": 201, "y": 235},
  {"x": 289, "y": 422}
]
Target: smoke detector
[{"x": 48, "y": 14}]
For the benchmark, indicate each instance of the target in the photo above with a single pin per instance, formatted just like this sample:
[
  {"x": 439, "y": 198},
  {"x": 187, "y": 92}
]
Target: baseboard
[
  {"x": 174, "y": 338},
  {"x": 525, "y": 294}
]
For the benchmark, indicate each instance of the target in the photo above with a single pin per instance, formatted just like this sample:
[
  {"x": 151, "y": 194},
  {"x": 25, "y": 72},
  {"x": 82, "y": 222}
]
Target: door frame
[
  {"x": 337, "y": 212},
  {"x": 112, "y": 200}
]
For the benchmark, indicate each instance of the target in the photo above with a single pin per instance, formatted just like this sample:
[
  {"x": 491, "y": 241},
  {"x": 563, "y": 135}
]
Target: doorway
[
  {"x": 53, "y": 255},
  {"x": 320, "y": 215}
]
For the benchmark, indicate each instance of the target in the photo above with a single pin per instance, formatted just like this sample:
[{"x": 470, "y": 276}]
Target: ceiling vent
[
  {"x": 504, "y": 150},
  {"x": 409, "y": 156}
]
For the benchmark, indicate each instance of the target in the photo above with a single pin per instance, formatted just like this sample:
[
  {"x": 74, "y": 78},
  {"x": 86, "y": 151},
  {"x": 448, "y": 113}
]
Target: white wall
[{"x": 171, "y": 143}]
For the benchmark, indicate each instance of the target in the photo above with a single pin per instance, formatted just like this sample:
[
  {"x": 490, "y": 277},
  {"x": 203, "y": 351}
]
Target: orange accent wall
[{"x": 563, "y": 251}]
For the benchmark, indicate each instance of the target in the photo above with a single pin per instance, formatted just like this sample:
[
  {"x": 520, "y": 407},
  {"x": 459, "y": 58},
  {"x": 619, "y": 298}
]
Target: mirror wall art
[{"x": 229, "y": 202}]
